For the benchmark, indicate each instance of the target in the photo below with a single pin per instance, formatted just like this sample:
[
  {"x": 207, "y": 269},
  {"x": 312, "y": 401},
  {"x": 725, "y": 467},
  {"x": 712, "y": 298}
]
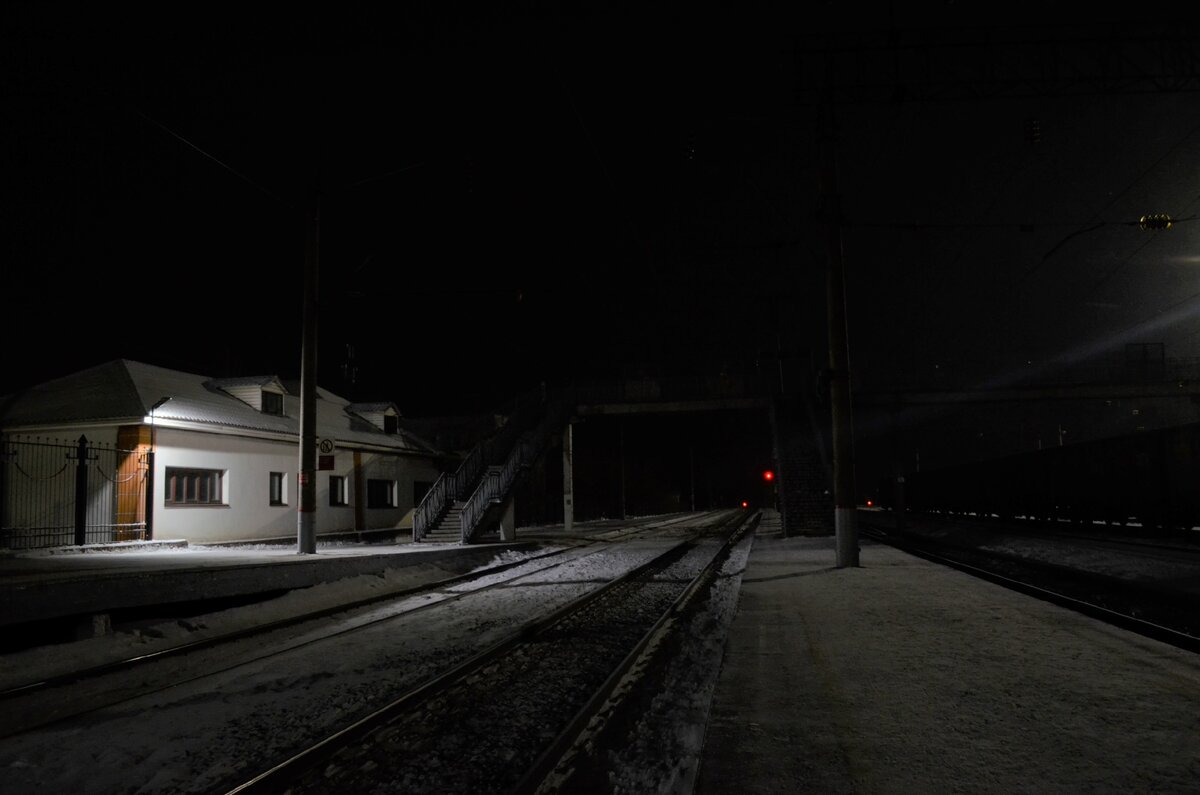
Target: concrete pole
[
  {"x": 622, "y": 455},
  {"x": 844, "y": 499},
  {"x": 508, "y": 522},
  {"x": 692, "y": 475},
  {"x": 306, "y": 522},
  {"x": 568, "y": 479}
]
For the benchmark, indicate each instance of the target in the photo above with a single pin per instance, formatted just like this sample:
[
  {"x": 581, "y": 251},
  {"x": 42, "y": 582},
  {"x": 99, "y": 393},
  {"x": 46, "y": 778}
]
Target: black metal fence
[{"x": 57, "y": 492}]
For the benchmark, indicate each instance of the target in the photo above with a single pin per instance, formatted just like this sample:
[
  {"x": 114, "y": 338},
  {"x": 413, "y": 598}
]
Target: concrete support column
[
  {"x": 568, "y": 479},
  {"x": 508, "y": 522}
]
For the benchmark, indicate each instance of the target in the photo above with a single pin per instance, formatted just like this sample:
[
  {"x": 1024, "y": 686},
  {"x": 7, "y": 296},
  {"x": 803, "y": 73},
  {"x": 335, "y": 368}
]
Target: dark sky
[{"x": 513, "y": 191}]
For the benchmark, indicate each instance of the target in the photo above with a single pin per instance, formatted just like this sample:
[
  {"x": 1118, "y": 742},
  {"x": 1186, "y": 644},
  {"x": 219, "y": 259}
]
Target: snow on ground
[
  {"x": 198, "y": 736},
  {"x": 664, "y": 746},
  {"x": 23, "y": 666},
  {"x": 903, "y": 676}
]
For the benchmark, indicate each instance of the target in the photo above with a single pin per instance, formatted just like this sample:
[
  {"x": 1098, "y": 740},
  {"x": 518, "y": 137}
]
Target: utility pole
[
  {"x": 621, "y": 454},
  {"x": 692, "y": 474},
  {"x": 844, "y": 500},
  {"x": 306, "y": 536}
]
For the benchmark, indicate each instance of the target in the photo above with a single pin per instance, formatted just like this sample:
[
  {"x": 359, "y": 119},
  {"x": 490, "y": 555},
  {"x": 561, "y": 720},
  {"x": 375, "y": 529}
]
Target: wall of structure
[{"x": 246, "y": 512}]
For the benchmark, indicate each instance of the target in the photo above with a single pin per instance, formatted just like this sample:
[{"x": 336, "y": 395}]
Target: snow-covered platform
[
  {"x": 43, "y": 586},
  {"x": 905, "y": 676}
]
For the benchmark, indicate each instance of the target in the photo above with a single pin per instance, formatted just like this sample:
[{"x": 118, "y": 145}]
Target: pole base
[{"x": 846, "y": 527}]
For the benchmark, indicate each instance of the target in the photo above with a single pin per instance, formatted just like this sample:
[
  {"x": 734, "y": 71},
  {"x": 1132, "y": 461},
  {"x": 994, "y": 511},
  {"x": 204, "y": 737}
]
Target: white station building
[{"x": 225, "y": 455}]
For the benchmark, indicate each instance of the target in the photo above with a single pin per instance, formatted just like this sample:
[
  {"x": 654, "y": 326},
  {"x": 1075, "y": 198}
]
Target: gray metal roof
[{"x": 124, "y": 391}]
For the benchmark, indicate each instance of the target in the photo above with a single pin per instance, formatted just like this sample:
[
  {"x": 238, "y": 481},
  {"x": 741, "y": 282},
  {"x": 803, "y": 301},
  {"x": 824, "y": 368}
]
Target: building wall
[{"x": 247, "y": 463}]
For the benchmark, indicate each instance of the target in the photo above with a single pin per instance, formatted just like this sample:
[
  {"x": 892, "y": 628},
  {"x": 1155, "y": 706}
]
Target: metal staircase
[
  {"x": 447, "y": 529},
  {"x": 457, "y": 506}
]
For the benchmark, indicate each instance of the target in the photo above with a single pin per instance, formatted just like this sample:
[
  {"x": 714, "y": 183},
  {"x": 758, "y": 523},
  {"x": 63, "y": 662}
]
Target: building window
[
  {"x": 389, "y": 424},
  {"x": 278, "y": 489},
  {"x": 381, "y": 494},
  {"x": 337, "y": 490},
  {"x": 272, "y": 403},
  {"x": 194, "y": 486}
]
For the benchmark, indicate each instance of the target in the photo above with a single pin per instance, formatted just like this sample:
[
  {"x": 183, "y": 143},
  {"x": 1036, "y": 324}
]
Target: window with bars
[
  {"x": 278, "y": 488},
  {"x": 337, "y": 491},
  {"x": 194, "y": 486},
  {"x": 381, "y": 493}
]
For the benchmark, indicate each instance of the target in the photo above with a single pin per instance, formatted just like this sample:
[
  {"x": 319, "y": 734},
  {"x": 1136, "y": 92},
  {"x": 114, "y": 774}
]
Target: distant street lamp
[{"x": 1156, "y": 221}]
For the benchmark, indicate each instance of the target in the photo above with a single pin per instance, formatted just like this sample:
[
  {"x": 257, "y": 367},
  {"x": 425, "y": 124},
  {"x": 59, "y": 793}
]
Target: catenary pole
[
  {"x": 844, "y": 500},
  {"x": 306, "y": 536}
]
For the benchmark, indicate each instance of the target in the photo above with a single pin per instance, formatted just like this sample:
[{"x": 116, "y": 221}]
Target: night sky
[{"x": 514, "y": 192}]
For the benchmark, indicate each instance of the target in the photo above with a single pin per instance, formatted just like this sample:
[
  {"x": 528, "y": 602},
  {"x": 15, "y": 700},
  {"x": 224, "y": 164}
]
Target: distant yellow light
[{"x": 1155, "y": 221}]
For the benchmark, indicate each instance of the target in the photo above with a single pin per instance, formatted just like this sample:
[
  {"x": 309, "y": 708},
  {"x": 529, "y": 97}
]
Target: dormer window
[
  {"x": 262, "y": 393},
  {"x": 272, "y": 403},
  {"x": 384, "y": 416}
]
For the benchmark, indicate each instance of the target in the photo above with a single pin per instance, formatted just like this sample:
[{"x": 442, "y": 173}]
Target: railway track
[
  {"x": 1122, "y": 537},
  {"x": 1155, "y": 609},
  {"x": 103, "y": 686},
  {"x": 189, "y": 732},
  {"x": 127, "y": 663},
  {"x": 518, "y": 716}
]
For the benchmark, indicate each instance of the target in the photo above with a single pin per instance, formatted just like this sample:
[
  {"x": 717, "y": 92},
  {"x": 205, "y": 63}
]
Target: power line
[
  {"x": 386, "y": 174},
  {"x": 1028, "y": 272},
  {"x": 213, "y": 158}
]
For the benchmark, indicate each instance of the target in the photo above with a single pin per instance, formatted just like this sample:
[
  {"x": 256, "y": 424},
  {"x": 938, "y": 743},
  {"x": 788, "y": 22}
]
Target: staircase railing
[
  {"x": 468, "y": 471},
  {"x": 432, "y": 504}
]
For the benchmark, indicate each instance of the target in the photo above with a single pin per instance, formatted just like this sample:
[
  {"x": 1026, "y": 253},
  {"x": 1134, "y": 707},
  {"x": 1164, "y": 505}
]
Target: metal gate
[{"x": 56, "y": 492}]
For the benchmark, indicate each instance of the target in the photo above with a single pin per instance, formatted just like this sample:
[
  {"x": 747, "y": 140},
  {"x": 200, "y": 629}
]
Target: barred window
[
  {"x": 381, "y": 494},
  {"x": 278, "y": 489},
  {"x": 337, "y": 490},
  {"x": 194, "y": 486}
]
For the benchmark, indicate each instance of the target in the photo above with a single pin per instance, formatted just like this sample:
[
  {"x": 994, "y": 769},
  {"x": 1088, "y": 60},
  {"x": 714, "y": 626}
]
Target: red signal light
[
  {"x": 768, "y": 475},
  {"x": 869, "y": 503},
  {"x": 745, "y": 504}
]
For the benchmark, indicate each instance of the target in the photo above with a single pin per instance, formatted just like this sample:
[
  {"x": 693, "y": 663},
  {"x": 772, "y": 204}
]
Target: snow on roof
[
  {"x": 124, "y": 391},
  {"x": 247, "y": 380},
  {"x": 359, "y": 408}
]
